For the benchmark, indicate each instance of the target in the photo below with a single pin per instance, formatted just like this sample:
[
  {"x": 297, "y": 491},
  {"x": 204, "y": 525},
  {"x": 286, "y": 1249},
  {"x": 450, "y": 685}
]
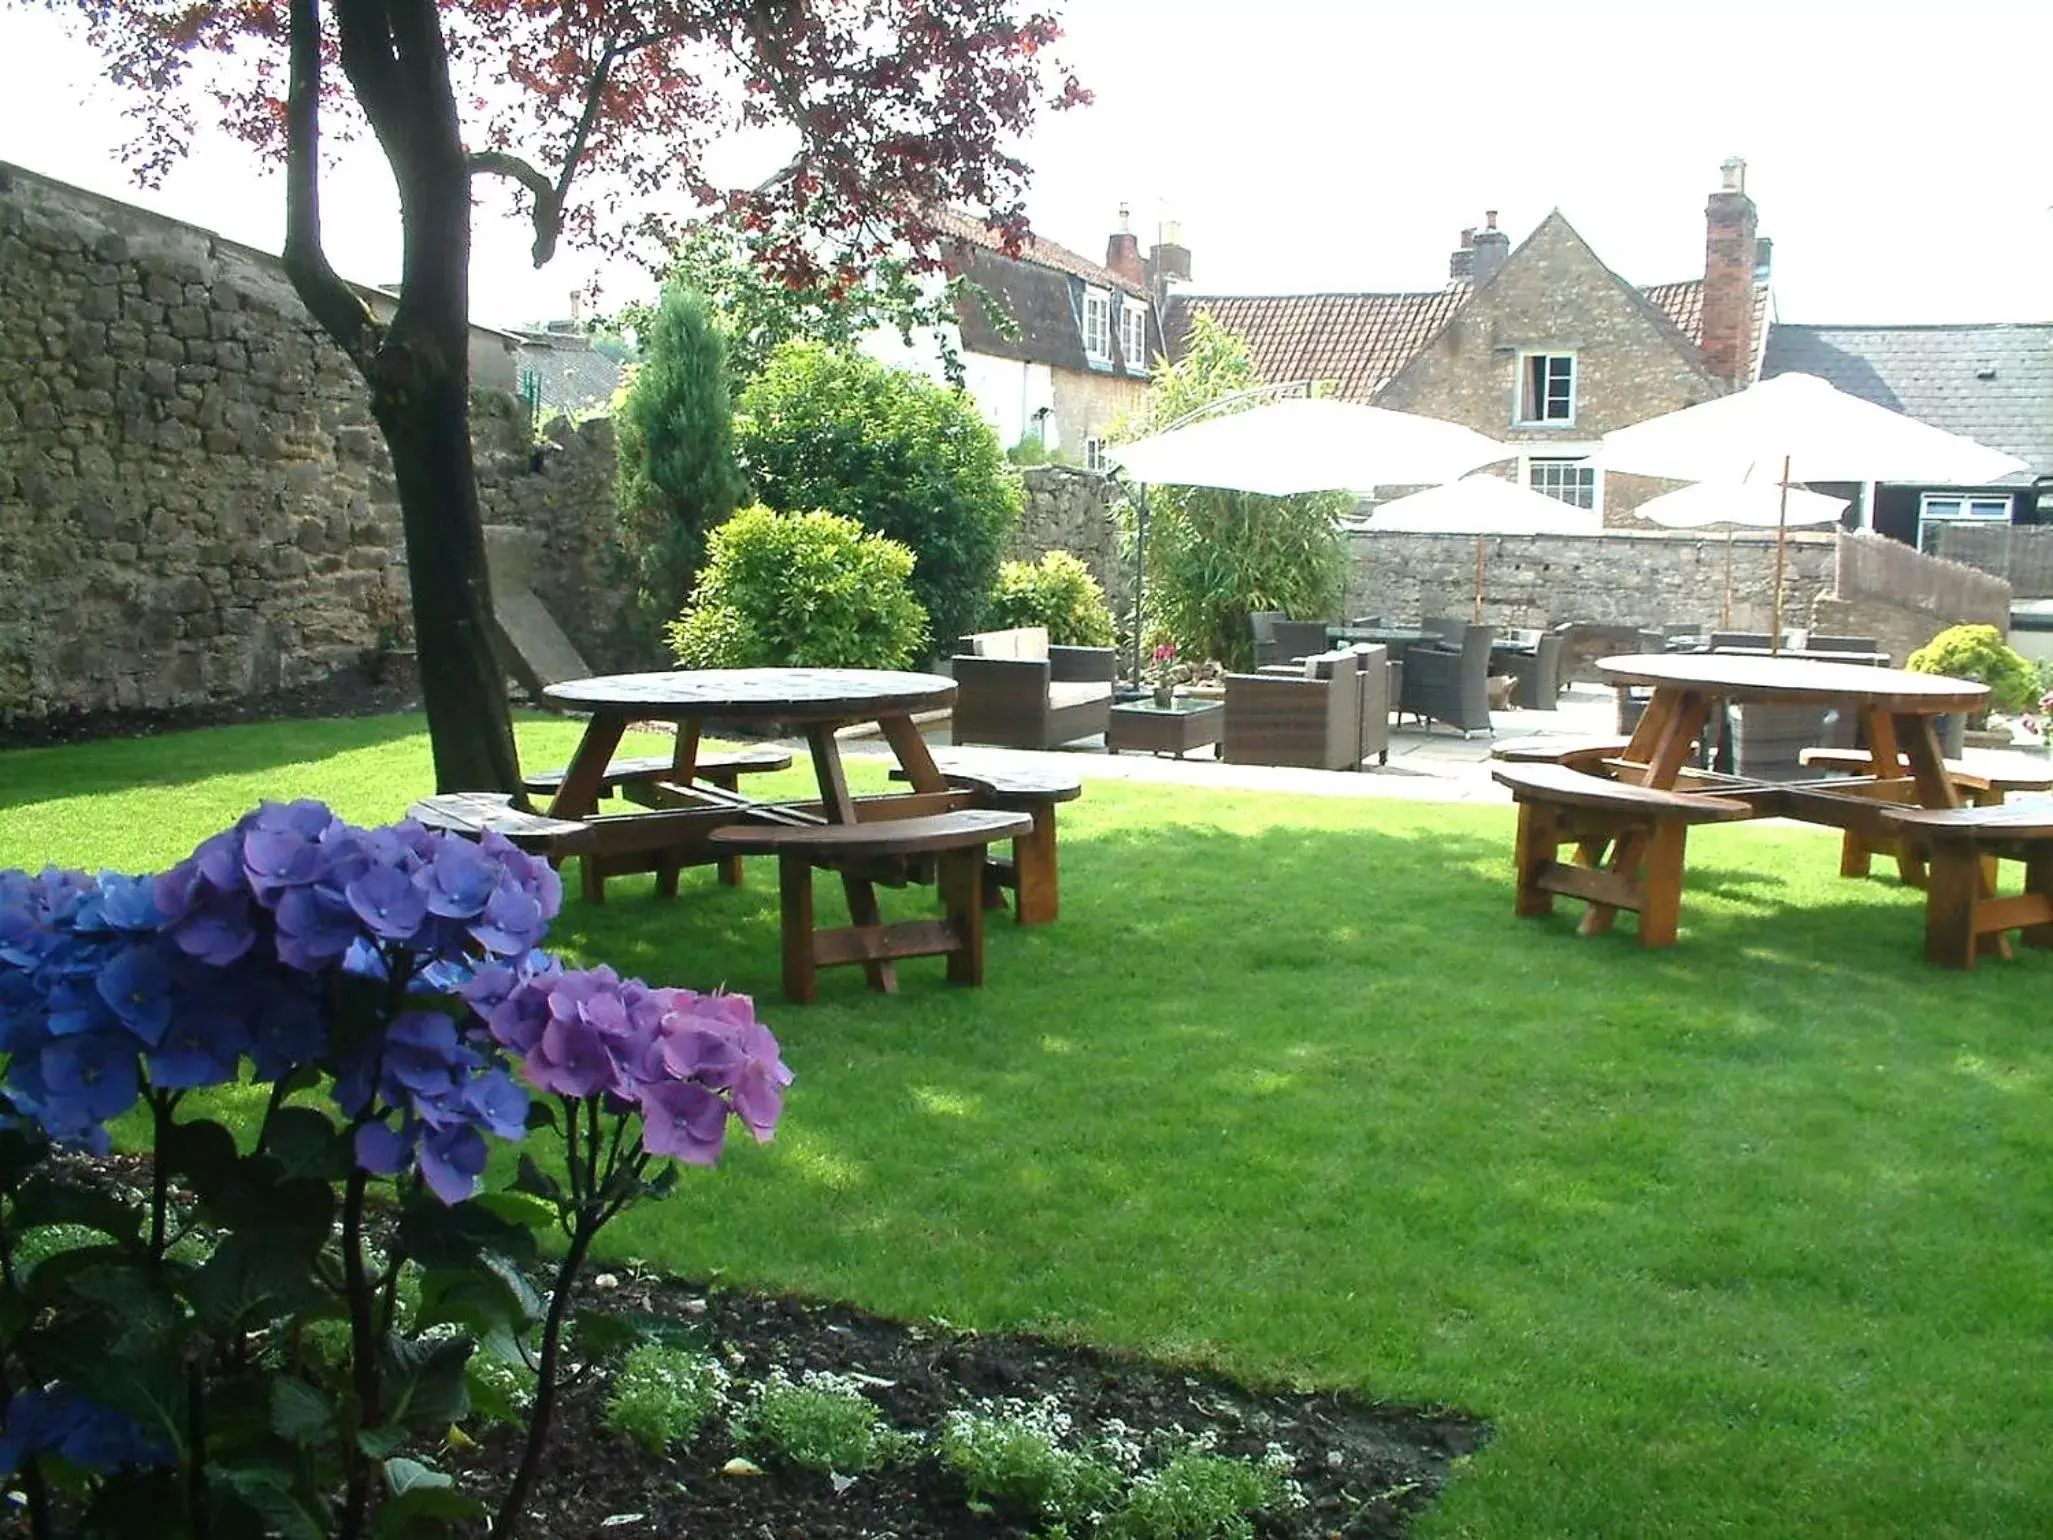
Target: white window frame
[
  {"x": 1094, "y": 452},
  {"x": 1582, "y": 455},
  {"x": 1098, "y": 325},
  {"x": 1966, "y": 508},
  {"x": 1133, "y": 334},
  {"x": 1519, "y": 419}
]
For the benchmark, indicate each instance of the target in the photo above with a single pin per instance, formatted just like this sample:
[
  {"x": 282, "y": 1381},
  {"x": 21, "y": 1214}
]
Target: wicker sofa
[{"x": 1015, "y": 690}]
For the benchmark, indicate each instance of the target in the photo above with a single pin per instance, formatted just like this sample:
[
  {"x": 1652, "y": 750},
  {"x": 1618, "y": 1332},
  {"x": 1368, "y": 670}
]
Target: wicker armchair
[
  {"x": 1451, "y": 684},
  {"x": 1015, "y": 690},
  {"x": 1536, "y": 666},
  {"x": 1313, "y": 720},
  {"x": 1288, "y": 640}
]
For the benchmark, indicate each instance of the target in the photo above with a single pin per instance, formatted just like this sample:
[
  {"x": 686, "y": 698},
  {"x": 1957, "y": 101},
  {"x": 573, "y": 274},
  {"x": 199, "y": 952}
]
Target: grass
[{"x": 1751, "y": 1237}]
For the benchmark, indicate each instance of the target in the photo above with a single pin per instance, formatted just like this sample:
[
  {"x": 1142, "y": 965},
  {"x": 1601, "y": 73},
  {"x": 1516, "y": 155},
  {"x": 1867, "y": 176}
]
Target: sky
[{"x": 1898, "y": 154}]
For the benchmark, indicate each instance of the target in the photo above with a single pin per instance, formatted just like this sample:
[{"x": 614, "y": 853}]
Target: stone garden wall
[{"x": 1071, "y": 510}]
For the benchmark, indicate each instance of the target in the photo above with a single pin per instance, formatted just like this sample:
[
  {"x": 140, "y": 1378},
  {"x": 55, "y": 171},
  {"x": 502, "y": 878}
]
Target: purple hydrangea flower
[{"x": 684, "y": 1119}]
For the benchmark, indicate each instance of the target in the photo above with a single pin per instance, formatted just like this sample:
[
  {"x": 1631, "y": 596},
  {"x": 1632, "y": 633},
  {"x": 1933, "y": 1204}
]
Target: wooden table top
[
  {"x": 1798, "y": 681},
  {"x": 780, "y": 694}
]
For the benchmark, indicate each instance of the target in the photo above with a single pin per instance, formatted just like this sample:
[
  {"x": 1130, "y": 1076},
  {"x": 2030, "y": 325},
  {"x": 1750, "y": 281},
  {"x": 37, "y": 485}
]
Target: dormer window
[
  {"x": 1098, "y": 326},
  {"x": 1133, "y": 334},
  {"x": 1546, "y": 391}
]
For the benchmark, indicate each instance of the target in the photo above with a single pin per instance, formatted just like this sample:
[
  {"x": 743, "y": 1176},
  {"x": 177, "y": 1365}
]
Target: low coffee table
[{"x": 1144, "y": 726}]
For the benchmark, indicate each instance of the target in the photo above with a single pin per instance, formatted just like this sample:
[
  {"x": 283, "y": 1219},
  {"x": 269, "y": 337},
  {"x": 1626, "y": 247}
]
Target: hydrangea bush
[{"x": 273, "y": 1337}]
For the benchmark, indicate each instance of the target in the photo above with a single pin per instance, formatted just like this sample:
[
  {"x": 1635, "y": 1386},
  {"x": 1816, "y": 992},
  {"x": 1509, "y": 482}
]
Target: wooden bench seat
[
  {"x": 1983, "y": 784},
  {"x": 473, "y": 812},
  {"x": 1644, "y": 829},
  {"x": 956, "y": 841},
  {"x": 662, "y": 841},
  {"x": 623, "y": 775},
  {"x": 1032, "y": 872},
  {"x": 1585, "y": 754},
  {"x": 1963, "y": 917}
]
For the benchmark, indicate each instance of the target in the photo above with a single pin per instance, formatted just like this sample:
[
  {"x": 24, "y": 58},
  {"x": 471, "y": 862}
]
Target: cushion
[
  {"x": 1078, "y": 692},
  {"x": 1022, "y": 643}
]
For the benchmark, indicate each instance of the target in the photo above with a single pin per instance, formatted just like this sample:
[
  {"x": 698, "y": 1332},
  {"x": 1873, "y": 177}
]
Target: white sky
[{"x": 1898, "y": 152}]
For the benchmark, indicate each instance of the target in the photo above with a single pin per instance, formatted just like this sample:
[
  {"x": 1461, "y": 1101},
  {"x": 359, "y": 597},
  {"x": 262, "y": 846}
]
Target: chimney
[
  {"x": 577, "y": 306},
  {"x": 1461, "y": 265},
  {"x": 1170, "y": 260},
  {"x": 1123, "y": 253},
  {"x": 1492, "y": 247},
  {"x": 1731, "y": 257}
]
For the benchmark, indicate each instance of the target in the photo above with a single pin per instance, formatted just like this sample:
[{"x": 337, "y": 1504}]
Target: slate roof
[
  {"x": 1039, "y": 252},
  {"x": 572, "y": 377},
  {"x": 1360, "y": 341},
  {"x": 1040, "y": 293},
  {"x": 1991, "y": 383}
]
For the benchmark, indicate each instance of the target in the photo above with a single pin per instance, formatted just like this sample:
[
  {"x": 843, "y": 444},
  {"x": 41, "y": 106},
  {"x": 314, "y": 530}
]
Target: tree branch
[
  {"x": 548, "y": 201},
  {"x": 331, "y": 302}
]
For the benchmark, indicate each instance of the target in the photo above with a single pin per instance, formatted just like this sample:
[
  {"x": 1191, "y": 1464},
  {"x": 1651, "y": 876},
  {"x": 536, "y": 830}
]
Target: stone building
[
  {"x": 1054, "y": 347},
  {"x": 1541, "y": 345}
]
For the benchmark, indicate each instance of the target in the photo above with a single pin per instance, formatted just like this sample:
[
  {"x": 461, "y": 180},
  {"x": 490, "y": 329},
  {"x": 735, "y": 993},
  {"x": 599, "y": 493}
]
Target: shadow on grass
[{"x": 29, "y": 776}]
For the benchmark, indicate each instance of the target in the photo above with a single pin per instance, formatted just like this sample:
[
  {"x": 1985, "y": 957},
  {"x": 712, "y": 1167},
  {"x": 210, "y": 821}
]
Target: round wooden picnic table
[{"x": 817, "y": 699}]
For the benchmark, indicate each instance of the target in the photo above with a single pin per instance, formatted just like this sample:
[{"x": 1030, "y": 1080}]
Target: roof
[
  {"x": 1361, "y": 341},
  {"x": 1041, "y": 253},
  {"x": 571, "y": 377},
  {"x": 1029, "y": 308},
  {"x": 1992, "y": 383}
]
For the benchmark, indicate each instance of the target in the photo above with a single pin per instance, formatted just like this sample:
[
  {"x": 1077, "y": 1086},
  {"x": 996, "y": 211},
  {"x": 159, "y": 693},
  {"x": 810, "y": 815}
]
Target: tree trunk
[{"x": 427, "y": 429}]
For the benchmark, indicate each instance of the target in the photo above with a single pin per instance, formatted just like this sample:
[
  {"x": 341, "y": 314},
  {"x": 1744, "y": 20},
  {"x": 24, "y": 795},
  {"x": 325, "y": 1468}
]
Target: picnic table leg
[
  {"x": 961, "y": 880},
  {"x": 914, "y": 757},
  {"x": 1539, "y": 841},
  {"x": 839, "y": 807},
  {"x": 795, "y": 903},
  {"x": 1920, "y": 740},
  {"x": 1661, "y": 896},
  {"x": 1681, "y": 722},
  {"x": 578, "y": 796},
  {"x": 1885, "y": 760}
]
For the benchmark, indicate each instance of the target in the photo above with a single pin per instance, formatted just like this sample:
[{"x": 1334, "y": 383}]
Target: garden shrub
[
  {"x": 1981, "y": 654},
  {"x": 819, "y": 1421},
  {"x": 664, "y": 1395},
  {"x": 677, "y": 481},
  {"x": 909, "y": 459},
  {"x": 1019, "y": 1455},
  {"x": 800, "y": 590},
  {"x": 274, "y": 1334},
  {"x": 1058, "y": 592}
]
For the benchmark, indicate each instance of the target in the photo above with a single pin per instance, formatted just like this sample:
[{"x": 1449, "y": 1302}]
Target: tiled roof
[
  {"x": 1360, "y": 341},
  {"x": 1040, "y": 252},
  {"x": 1991, "y": 383},
  {"x": 571, "y": 377}
]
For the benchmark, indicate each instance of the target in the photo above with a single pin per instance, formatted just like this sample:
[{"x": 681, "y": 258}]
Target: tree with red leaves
[{"x": 594, "y": 109}]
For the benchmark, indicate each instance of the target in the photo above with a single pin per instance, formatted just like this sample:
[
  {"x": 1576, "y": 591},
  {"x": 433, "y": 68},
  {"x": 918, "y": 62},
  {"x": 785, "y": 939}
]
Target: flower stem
[
  {"x": 363, "y": 1350},
  {"x": 506, "y": 1524}
]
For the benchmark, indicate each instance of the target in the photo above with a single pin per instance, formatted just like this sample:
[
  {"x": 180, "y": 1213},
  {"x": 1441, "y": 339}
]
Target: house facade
[
  {"x": 1991, "y": 383},
  {"x": 1541, "y": 346},
  {"x": 1054, "y": 347}
]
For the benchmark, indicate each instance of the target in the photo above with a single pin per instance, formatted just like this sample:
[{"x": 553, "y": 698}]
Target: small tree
[
  {"x": 678, "y": 480},
  {"x": 800, "y": 590},
  {"x": 1216, "y": 556},
  {"x": 1058, "y": 592},
  {"x": 904, "y": 457}
]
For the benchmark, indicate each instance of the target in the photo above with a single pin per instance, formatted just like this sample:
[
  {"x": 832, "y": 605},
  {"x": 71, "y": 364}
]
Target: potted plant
[{"x": 1165, "y": 685}]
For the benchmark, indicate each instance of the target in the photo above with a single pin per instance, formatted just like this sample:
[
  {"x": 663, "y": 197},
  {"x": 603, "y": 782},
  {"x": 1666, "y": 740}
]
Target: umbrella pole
[
  {"x": 1479, "y": 580},
  {"x": 1726, "y": 623},
  {"x": 1781, "y": 547}
]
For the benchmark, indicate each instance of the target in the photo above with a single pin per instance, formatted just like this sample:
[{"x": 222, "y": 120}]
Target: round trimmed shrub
[
  {"x": 1980, "y": 653},
  {"x": 1058, "y": 592},
  {"x": 800, "y": 590},
  {"x": 909, "y": 459}
]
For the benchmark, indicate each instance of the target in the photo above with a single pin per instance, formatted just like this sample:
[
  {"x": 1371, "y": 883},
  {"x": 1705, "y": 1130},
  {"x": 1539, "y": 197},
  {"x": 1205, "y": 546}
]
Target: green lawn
[{"x": 1749, "y": 1238}]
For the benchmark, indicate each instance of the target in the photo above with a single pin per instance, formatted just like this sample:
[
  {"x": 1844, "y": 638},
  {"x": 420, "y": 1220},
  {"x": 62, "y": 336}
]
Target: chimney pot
[
  {"x": 1489, "y": 219},
  {"x": 1125, "y": 213},
  {"x": 1172, "y": 232},
  {"x": 1732, "y": 174}
]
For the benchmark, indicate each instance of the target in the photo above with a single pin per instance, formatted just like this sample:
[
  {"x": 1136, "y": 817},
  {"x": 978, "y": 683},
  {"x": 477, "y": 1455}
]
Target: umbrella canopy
[
  {"x": 1801, "y": 422},
  {"x": 1287, "y": 447},
  {"x": 1484, "y": 505},
  {"x": 1741, "y": 505}
]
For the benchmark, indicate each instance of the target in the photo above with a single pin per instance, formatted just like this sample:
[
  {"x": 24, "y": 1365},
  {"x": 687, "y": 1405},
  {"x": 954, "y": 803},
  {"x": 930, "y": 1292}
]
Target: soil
[{"x": 1366, "y": 1469}]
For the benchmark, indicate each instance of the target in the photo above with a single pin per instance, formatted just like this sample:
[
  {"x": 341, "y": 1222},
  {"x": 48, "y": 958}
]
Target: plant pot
[{"x": 1165, "y": 696}]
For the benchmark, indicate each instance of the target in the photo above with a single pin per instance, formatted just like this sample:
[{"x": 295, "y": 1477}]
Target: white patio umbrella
[
  {"x": 1798, "y": 428},
  {"x": 1736, "y": 505},
  {"x": 1319, "y": 445},
  {"x": 1483, "y": 506}
]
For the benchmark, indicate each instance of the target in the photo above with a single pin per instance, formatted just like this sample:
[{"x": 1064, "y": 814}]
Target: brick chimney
[
  {"x": 1461, "y": 263},
  {"x": 1492, "y": 247},
  {"x": 1123, "y": 253},
  {"x": 1169, "y": 262},
  {"x": 1731, "y": 257}
]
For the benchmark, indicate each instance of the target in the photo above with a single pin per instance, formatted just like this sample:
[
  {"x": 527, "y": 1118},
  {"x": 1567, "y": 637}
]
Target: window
[
  {"x": 1133, "y": 334},
  {"x": 1546, "y": 390},
  {"x": 1572, "y": 481},
  {"x": 1938, "y": 509},
  {"x": 1094, "y": 453},
  {"x": 1097, "y": 324}
]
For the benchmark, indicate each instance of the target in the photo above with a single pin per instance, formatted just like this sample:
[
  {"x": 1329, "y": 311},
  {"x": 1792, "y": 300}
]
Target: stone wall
[
  {"x": 195, "y": 507},
  {"x": 1616, "y": 578},
  {"x": 1072, "y": 510}
]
